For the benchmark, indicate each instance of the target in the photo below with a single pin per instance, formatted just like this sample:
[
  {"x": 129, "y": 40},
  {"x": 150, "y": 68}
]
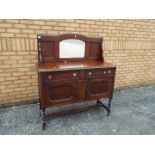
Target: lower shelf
[{"x": 46, "y": 117}]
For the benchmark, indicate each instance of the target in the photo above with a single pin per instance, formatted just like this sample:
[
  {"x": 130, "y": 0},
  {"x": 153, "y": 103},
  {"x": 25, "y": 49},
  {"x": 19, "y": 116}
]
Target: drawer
[
  {"x": 63, "y": 75},
  {"x": 100, "y": 73}
]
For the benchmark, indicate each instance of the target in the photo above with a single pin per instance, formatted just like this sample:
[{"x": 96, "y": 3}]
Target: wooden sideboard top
[{"x": 62, "y": 66}]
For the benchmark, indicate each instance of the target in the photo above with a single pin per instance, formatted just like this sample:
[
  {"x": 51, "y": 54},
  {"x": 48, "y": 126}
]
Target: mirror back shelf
[{"x": 69, "y": 47}]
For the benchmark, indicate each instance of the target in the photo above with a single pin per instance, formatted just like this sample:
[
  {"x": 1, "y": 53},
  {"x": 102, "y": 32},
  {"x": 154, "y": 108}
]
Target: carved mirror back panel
[{"x": 68, "y": 47}]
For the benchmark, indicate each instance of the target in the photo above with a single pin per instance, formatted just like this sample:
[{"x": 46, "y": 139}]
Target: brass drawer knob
[
  {"x": 50, "y": 77},
  {"x": 74, "y": 74},
  {"x": 90, "y": 73}
]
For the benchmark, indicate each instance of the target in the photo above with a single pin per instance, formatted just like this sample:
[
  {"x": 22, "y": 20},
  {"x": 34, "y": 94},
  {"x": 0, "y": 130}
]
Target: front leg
[
  {"x": 109, "y": 107},
  {"x": 43, "y": 119},
  {"x": 40, "y": 111},
  {"x": 98, "y": 102}
]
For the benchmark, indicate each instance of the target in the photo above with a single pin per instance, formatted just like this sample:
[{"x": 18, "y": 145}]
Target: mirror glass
[{"x": 72, "y": 48}]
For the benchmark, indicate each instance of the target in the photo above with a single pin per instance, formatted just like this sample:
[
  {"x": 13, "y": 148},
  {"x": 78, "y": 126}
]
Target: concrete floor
[{"x": 133, "y": 112}]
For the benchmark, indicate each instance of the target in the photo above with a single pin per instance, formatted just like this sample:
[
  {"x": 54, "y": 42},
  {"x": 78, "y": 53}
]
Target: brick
[
  {"x": 80, "y": 29},
  {"x": 23, "y": 69},
  {"x": 6, "y": 34},
  {"x": 4, "y": 57},
  {"x": 18, "y": 73},
  {"x": 22, "y": 26},
  {"x": 8, "y": 53},
  {"x": 32, "y": 44},
  {"x": 5, "y": 25},
  {"x": 2, "y": 87},
  {"x": 69, "y": 20},
  {"x": 14, "y": 30},
  {"x": 39, "y": 22},
  {"x": 51, "y": 23},
  {"x": 17, "y": 65},
  {"x": 25, "y": 85},
  {"x": 15, "y": 57},
  {"x": 80, "y": 21},
  {"x": 2, "y": 30},
  {"x": 13, "y": 42},
  {"x": 69, "y": 28},
  {"x": 0, "y": 45},
  {"x": 12, "y": 86},
  {"x": 90, "y": 22},
  {"x": 2, "y": 79},
  {"x": 46, "y": 27},
  {"x": 11, "y": 78},
  {"x": 19, "y": 89},
  {"x": 19, "y": 81},
  {"x": 74, "y": 25},
  {"x": 26, "y": 21},
  {"x": 6, "y": 90},
  {"x": 22, "y": 44},
  {"x": 4, "y": 44},
  {"x": 9, "y": 44},
  {"x": 63, "y": 24},
  {"x": 40, "y": 32},
  {"x": 23, "y": 53},
  {"x": 27, "y": 45},
  {"x": 33, "y": 27},
  {"x": 5, "y": 74},
  {"x": 58, "y": 28},
  {"x": 11, "y": 20},
  {"x": 21, "y": 35},
  {"x": 27, "y": 31},
  {"x": 84, "y": 26},
  {"x": 18, "y": 44},
  {"x": 10, "y": 62},
  {"x": 23, "y": 61},
  {"x": 25, "y": 77}
]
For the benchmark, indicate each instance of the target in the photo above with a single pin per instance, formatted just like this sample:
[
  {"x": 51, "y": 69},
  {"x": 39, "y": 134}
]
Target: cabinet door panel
[
  {"x": 98, "y": 88},
  {"x": 61, "y": 92}
]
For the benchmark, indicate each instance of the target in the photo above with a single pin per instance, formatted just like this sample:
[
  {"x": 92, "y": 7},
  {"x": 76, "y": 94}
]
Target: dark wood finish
[
  {"x": 48, "y": 47},
  {"x": 61, "y": 92},
  {"x": 77, "y": 110},
  {"x": 98, "y": 88},
  {"x": 68, "y": 81}
]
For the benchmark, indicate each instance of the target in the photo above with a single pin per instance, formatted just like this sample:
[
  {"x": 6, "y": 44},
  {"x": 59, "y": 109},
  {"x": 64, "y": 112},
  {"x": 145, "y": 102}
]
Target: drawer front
[
  {"x": 100, "y": 73},
  {"x": 66, "y": 75}
]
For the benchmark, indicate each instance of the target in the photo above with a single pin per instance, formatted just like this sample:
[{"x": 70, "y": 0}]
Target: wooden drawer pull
[
  {"x": 50, "y": 77},
  {"x": 74, "y": 74},
  {"x": 90, "y": 73},
  {"x": 109, "y": 72}
]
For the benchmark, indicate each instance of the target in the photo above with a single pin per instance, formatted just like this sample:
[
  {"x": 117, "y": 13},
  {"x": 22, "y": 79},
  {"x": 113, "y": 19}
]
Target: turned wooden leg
[
  {"x": 109, "y": 107},
  {"x": 97, "y": 102},
  {"x": 39, "y": 110},
  {"x": 43, "y": 119}
]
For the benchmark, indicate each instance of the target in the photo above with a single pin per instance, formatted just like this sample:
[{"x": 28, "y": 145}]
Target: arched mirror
[{"x": 72, "y": 48}]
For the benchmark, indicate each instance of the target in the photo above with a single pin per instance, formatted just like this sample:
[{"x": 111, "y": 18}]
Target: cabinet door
[
  {"x": 98, "y": 88},
  {"x": 60, "y": 92}
]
